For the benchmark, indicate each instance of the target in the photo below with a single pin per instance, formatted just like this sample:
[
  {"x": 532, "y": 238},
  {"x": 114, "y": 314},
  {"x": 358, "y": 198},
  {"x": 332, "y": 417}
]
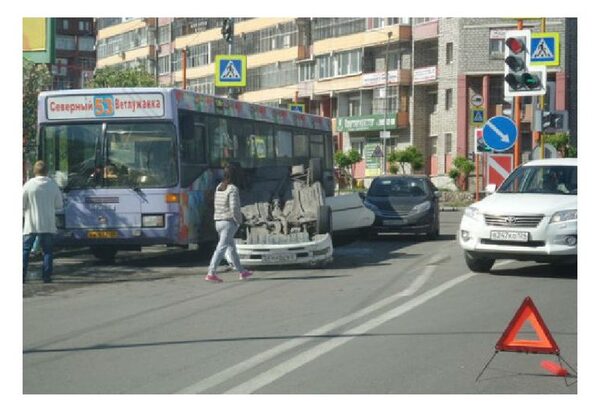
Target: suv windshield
[
  {"x": 398, "y": 187},
  {"x": 129, "y": 155},
  {"x": 542, "y": 180}
]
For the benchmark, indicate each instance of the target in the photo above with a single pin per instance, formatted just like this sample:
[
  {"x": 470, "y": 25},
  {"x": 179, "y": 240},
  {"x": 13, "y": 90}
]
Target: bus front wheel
[{"x": 104, "y": 253}]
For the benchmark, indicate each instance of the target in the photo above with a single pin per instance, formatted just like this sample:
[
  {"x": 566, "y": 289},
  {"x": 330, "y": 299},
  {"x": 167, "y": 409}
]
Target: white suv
[{"x": 532, "y": 216}]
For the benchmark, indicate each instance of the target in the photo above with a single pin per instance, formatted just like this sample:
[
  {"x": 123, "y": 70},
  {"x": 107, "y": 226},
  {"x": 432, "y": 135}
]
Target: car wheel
[
  {"x": 478, "y": 263},
  {"x": 434, "y": 233},
  {"x": 104, "y": 253}
]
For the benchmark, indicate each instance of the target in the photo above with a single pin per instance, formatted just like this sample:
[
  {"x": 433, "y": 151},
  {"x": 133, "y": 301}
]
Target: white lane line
[
  {"x": 258, "y": 359},
  {"x": 305, "y": 357}
]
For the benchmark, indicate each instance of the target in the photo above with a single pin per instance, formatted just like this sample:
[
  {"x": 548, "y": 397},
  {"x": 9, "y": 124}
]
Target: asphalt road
[{"x": 395, "y": 315}]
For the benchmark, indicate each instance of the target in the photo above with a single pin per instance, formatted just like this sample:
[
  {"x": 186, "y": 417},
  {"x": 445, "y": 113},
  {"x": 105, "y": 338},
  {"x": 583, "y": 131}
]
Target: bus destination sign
[{"x": 141, "y": 105}]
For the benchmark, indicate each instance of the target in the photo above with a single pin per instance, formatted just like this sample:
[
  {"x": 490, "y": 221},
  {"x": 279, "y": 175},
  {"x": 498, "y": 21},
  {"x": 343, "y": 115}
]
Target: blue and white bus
[{"x": 139, "y": 166}]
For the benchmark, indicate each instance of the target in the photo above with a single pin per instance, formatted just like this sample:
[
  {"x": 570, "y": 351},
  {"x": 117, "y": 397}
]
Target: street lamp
[{"x": 385, "y": 106}]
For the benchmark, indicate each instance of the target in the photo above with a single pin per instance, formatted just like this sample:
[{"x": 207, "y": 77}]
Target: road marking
[
  {"x": 305, "y": 357},
  {"x": 231, "y": 372}
]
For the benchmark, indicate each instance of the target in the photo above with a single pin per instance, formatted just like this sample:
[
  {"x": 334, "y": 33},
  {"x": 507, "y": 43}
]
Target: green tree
[
  {"x": 348, "y": 160},
  {"x": 410, "y": 155},
  {"x": 36, "y": 78},
  {"x": 461, "y": 170},
  {"x": 561, "y": 141},
  {"x": 130, "y": 77}
]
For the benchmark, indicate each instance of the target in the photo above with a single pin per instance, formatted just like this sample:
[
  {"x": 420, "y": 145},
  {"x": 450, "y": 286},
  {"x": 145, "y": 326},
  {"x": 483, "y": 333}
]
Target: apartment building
[
  {"x": 409, "y": 77},
  {"x": 75, "y": 55}
]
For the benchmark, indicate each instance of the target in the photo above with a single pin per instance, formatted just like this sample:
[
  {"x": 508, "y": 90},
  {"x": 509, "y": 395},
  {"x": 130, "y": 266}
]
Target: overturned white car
[{"x": 286, "y": 220}]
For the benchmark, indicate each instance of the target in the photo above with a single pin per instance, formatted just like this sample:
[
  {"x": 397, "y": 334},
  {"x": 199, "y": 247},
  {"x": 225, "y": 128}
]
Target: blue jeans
[
  {"x": 226, "y": 230},
  {"x": 46, "y": 240}
]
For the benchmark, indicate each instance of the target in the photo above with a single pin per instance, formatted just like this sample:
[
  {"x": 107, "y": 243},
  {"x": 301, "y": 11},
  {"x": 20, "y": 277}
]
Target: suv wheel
[{"x": 478, "y": 263}]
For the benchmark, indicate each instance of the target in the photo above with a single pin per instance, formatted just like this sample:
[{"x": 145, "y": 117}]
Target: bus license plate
[
  {"x": 102, "y": 234},
  {"x": 512, "y": 236},
  {"x": 279, "y": 258}
]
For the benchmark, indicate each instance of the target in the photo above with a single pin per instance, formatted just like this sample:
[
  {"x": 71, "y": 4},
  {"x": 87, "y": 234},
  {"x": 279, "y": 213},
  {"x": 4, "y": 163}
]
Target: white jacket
[{"x": 41, "y": 198}]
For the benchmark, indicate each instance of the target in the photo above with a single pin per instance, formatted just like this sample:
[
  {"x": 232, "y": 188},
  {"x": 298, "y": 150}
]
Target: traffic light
[
  {"x": 227, "y": 30},
  {"x": 519, "y": 78},
  {"x": 548, "y": 122}
]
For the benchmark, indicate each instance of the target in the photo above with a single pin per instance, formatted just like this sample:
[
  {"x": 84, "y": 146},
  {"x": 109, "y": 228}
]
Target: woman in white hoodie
[
  {"x": 228, "y": 218},
  {"x": 41, "y": 199}
]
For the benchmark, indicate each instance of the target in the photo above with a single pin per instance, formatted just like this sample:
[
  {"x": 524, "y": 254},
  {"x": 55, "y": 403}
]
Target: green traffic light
[{"x": 530, "y": 81}]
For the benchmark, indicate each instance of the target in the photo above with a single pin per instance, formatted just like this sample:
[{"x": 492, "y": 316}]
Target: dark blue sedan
[{"x": 404, "y": 204}]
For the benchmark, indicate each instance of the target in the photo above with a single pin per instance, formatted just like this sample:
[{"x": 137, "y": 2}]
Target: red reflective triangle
[{"x": 545, "y": 343}]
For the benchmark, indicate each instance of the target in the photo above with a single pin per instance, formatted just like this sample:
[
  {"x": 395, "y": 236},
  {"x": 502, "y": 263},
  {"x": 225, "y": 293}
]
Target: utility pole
[
  {"x": 227, "y": 30},
  {"x": 184, "y": 66},
  {"x": 517, "y": 117},
  {"x": 385, "y": 107}
]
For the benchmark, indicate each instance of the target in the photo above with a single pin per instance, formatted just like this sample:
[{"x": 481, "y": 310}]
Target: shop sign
[{"x": 366, "y": 123}]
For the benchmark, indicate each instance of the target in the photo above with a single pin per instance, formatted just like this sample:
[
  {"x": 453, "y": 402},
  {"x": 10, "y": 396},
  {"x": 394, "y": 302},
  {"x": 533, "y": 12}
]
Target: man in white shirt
[{"x": 41, "y": 199}]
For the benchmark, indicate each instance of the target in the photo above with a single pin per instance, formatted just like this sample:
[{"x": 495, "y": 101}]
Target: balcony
[
  {"x": 402, "y": 120},
  {"x": 427, "y": 30},
  {"x": 425, "y": 75},
  {"x": 395, "y": 77},
  {"x": 304, "y": 52}
]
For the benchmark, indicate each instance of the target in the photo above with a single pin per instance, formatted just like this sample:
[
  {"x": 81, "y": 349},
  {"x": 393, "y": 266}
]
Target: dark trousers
[{"x": 46, "y": 240}]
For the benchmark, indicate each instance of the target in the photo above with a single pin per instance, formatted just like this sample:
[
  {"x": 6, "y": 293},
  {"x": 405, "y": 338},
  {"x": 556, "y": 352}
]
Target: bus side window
[
  {"x": 283, "y": 147},
  {"x": 301, "y": 148},
  {"x": 193, "y": 147}
]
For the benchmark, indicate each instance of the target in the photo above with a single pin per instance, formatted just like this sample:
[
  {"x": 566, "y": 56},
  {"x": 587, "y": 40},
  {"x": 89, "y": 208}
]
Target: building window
[
  {"x": 306, "y": 71},
  {"x": 86, "y": 43},
  {"x": 449, "y": 53},
  {"x": 198, "y": 55},
  {"x": 204, "y": 85},
  {"x": 66, "y": 42},
  {"x": 354, "y": 106},
  {"x": 448, "y": 143},
  {"x": 323, "y": 28},
  {"x": 379, "y": 100},
  {"x": 65, "y": 24},
  {"x": 380, "y": 22},
  {"x": 84, "y": 26},
  {"x": 448, "y": 99},
  {"x": 164, "y": 64},
  {"x": 164, "y": 34}
]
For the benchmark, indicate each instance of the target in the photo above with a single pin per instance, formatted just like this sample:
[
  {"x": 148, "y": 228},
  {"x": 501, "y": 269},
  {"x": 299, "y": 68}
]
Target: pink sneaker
[
  {"x": 245, "y": 275},
  {"x": 212, "y": 278}
]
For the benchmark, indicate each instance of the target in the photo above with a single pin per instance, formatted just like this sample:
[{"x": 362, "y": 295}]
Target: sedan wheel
[{"x": 478, "y": 263}]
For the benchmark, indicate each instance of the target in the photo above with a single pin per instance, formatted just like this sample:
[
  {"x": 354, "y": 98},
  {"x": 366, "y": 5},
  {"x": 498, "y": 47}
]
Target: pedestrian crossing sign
[
  {"x": 544, "y": 49},
  {"x": 230, "y": 70},
  {"x": 477, "y": 116}
]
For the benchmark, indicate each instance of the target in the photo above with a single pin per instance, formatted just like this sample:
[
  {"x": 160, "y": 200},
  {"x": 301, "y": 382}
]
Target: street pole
[
  {"x": 517, "y": 116},
  {"x": 385, "y": 107},
  {"x": 184, "y": 66},
  {"x": 543, "y": 28}
]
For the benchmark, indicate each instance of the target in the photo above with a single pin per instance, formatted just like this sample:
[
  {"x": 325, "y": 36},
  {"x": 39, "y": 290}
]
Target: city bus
[{"x": 139, "y": 166}]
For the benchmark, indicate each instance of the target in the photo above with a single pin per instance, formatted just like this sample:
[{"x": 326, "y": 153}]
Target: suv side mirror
[
  {"x": 437, "y": 194},
  {"x": 490, "y": 188}
]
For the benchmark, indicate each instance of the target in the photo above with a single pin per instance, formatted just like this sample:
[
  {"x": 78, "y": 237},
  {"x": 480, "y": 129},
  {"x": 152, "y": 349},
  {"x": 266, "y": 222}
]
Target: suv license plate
[
  {"x": 281, "y": 258},
  {"x": 511, "y": 236}
]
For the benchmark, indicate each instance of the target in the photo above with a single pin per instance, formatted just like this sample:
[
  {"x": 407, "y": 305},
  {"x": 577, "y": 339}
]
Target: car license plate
[
  {"x": 279, "y": 258},
  {"x": 102, "y": 234},
  {"x": 394, "y": 222},
  {"x": 512, "y": 236}
]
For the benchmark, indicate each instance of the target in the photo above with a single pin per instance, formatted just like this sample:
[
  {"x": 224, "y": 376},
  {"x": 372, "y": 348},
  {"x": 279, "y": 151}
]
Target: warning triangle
[
  {"x": 230, "y": 72},
  {"x": 509, "y": 341},
  {"x": 542, "y": 50}
]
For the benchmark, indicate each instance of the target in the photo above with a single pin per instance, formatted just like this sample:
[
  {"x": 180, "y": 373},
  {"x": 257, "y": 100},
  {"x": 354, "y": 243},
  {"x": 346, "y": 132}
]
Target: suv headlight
[
  {"x": 422, "y": 207},
  {"x": 566, "y": 215},
  {"x": 473, "y": 212}
]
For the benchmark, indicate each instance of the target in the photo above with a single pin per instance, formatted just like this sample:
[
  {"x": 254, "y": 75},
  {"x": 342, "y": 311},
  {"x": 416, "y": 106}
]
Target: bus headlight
[{"x": 153, "y": 220}]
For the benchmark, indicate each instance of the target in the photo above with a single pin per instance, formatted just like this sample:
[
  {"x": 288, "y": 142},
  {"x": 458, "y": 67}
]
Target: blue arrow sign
[{"x": 500, "y": 133}]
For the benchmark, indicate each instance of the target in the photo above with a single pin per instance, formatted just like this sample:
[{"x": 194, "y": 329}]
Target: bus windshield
[{"x": 126, "y": 155}]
